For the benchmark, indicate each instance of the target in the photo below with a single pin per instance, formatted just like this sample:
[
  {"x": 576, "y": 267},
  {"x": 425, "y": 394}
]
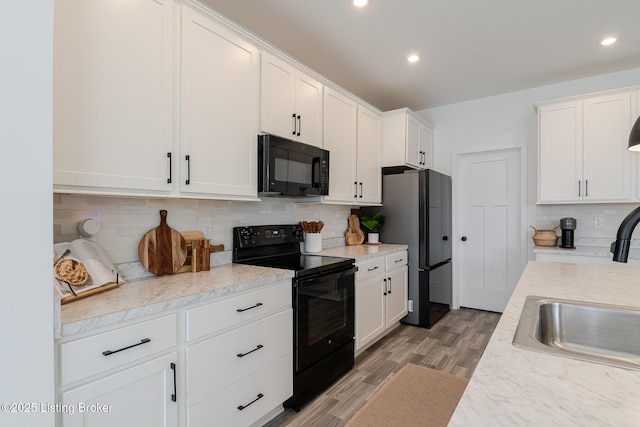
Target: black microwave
[{"x": 291, "y": 169}]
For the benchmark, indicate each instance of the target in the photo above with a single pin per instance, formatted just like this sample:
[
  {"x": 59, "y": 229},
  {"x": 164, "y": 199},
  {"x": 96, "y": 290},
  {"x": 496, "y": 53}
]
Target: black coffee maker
[{"x": 568, "y": 226}]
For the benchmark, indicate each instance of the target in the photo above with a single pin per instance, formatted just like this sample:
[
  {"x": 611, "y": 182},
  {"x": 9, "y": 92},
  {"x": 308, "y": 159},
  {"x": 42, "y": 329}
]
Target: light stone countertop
[
  {"x": 594, "y": 251},
  {"x": 142, "y": 297},
  {"x": 362, "y": 252},
  {"x": 518, "y": 387}
]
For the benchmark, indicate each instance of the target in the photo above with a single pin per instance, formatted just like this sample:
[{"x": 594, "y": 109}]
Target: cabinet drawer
[
  {"x": 216, "y": 363},
  {"x": 397, "y": 260},
  {"x": 370, "y": 268},
  {"x": 98, "y": 353},
  {"x": 218, "y": 316},
  {"x": 274, "y": 383}
]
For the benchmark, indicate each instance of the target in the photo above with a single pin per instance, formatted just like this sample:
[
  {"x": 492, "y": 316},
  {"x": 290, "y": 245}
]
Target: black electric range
[
  {"x": 323, "y": 302},
  {"x": 278, "y": 246}
]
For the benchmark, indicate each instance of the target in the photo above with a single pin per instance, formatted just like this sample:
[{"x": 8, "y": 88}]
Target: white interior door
[{"x": 489, "y": 215}]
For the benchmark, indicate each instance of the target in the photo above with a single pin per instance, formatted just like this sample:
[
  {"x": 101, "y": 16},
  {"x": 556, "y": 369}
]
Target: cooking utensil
[{"x": 162, "y": 250}]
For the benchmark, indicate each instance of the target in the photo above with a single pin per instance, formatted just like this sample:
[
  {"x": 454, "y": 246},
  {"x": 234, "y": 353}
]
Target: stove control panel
[{"x": 266, "y": 235}]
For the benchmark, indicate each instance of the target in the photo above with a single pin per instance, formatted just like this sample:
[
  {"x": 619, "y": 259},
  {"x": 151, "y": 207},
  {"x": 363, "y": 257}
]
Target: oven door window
[{"x": 325, "y": 317}]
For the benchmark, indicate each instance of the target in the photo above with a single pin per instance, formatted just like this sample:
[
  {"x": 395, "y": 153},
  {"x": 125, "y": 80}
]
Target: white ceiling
[{"x": 469, "y": 48}]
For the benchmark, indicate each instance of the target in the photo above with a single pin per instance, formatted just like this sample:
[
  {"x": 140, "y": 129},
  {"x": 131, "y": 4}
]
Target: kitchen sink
[{"x": 588, "y": 331}]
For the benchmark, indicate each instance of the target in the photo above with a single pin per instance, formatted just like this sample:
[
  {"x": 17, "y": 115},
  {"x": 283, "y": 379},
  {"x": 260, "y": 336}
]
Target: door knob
[{"x": 464, "y": 238}]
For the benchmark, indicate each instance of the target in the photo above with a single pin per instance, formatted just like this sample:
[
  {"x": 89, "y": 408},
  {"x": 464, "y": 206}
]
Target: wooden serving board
[
  {"x": 203, "y": 249},
  {"x": 162, "y": 250}
]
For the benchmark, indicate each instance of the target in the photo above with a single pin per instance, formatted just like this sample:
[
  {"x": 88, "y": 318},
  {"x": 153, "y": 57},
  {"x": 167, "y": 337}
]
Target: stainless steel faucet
[{"x": 620, "y": 248}]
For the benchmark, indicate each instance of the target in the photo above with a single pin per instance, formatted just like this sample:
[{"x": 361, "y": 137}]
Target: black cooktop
[{"x": 278, "y": 246}]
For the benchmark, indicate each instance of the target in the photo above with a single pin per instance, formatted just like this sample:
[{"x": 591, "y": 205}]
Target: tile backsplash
[
  {"x": 124, "y": 220},
  {"x": 586, "y": 215}
]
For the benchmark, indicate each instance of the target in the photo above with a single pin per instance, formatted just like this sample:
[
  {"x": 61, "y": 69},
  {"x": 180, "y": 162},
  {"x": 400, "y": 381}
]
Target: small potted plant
[{"x": 373, "y": 224}]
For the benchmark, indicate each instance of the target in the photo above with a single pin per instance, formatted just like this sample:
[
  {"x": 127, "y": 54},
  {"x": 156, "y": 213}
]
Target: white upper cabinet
[
  {"x": 340, "y": 139},
  {"x": 369, "y": 146},
  {"x": 406, "y": 140},
  {"x": 291, "y": 104},
  {"x": 583, "y": 154},
  {"x": 113, "y": 103},
  {"x": 219, "y": 75},
  {"x": 352, "y": 134}
]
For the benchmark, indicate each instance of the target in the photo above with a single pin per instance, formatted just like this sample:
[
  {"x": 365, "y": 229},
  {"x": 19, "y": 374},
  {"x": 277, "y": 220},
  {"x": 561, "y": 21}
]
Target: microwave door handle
[{"x": 315, "y": 172}]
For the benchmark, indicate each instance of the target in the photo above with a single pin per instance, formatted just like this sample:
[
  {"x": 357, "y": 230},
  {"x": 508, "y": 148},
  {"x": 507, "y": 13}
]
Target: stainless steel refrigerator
[{"x": 417, "y": 207}]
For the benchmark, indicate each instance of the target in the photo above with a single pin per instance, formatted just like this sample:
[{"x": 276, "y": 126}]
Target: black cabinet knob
[
  {"x": 464, "y": 238},
  {"x": 445, "y": 238}
]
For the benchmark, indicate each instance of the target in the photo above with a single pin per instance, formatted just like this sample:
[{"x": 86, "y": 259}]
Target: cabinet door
[
  {"x": 368, "y": 157},
  {"x": 219, "y": 99},
  {"x": 308, "y": 110},
  {"x": 370, "y": 309},
  {"x": 426, "y": 146},
  {"x": 140, "y": 396},
  {"x": 278, "y": 100},
  {"x": 607, "y": 162},
  {"x": 560, "y": 152},
  {"x": 413, "y": 147},
  {"x": 396, "y": 298},
  {"x": 113, "y": 103},
  {"x": 340, "y": 119}
]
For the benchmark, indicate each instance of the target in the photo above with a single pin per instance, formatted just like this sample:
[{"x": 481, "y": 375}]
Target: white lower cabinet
[
  {"x": 123, "y": 376},
  {"x": 239, "y": 357},
  {"x": 381, "y": 296},
  {"x": 227, "y": 362},
  {"x": 248, "y": 400},
  {"x": 144, "y": 395}
]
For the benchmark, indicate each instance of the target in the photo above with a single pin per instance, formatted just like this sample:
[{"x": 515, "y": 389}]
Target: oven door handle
[{"x": 322, "y": 278}]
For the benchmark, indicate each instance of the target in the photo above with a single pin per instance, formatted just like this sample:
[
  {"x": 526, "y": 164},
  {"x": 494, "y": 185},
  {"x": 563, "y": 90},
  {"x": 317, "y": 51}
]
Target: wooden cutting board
[
  {"x": 354, "y": 235},
  {"x": 162, "y": 250}
]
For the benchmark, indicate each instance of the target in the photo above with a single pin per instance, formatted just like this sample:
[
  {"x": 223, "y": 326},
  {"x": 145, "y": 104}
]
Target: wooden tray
[{"x": 90, "y": 292}]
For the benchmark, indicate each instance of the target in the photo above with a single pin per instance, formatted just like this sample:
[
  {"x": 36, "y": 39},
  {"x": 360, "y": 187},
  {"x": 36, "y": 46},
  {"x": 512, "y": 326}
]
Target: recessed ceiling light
[
  {"x": 413, "y": 58},
  {"x": 608, "y": 41},
  {"x": 360, "y": 3}
]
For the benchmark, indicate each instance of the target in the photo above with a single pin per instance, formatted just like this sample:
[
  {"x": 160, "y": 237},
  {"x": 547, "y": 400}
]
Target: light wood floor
[{"x": 454, "y": 345}]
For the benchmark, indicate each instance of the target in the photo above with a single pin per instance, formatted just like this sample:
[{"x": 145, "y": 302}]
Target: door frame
[{"x": 457, "y": 155}]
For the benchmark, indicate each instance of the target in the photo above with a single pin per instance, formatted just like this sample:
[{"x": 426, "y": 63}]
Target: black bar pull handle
[
  {"x": 371, "y": 269},
  {"x": 260, "y": 396},
  {"x": 294, "y": 124},
  {"x": 355, "y": 189},
  {"x": 389, "y": 291},
  {"x": 361, "y": 190},
  {"x": 169, "y": 157},
  {"x": 579, "y": 187},
  {"x": 586, "y": 188},
  {"x": 188, "y": 159},
  {"x": 299, "y": 125},
  {"x": 258, "y": 347},
  {"x": 385, "y": 286},
  {"x": 174, "y": 396},
  {"x": 110, "y": 352},
  {"x": 240, "y": 310}
]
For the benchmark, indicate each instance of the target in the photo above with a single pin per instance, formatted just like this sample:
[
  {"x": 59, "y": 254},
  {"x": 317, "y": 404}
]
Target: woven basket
[{"x": 544, "y": 242}]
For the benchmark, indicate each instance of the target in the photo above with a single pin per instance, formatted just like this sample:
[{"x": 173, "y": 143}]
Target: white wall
[
  {"x": 26, "y": 305},
  {"x": 509, "y": 120}
]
